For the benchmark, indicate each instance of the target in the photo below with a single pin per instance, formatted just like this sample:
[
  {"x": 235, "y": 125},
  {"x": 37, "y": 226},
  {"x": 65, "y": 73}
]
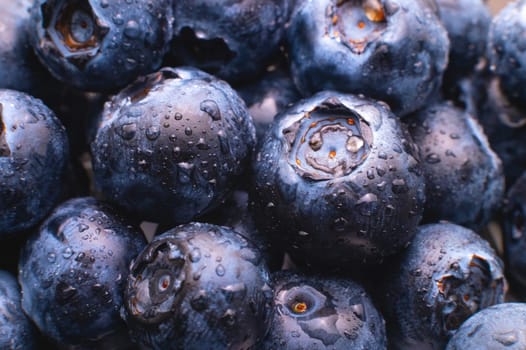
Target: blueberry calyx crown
[
  {"x": 5, "y": 151},
  {"x": 355, "y": 23},
  {"x": 156, "y": 277},
  {"x": 468, "y": 287},
  {"x": 74, "y": 30},
  {"x": 329, "y": 141}
]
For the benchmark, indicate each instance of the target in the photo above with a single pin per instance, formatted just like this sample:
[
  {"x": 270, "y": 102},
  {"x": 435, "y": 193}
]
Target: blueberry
[
  {"x": 172, "y": 145},
  {"x": 464, "y": 176},
  {"x": 100, "y": 45},
  {"x": 73, "y": 272},
  {"x": 467, "y": 23},
  {"x": 337, "y": 173},
  {"x": 33, "y": 157},
  {"x": 234, "y": 40},
  {"x": 447, "y": 273},
  {"x": 514, "y": 226},
  {"x": 394, "y": 51},
  {"x": 318, "y": 312},
  {"x": 198, "y": 286},
  {"x": 16, "y": 330},
  {"x": 506, "y": 51},
  {"x": 498, "y": 327}
]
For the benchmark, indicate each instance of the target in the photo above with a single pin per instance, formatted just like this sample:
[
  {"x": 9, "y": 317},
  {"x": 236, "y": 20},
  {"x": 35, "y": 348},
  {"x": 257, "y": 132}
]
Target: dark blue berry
[
  {"x": 100, "y": 45},
  {"x": 172, "y": 145},
  {"x": 447, "y": 273},
  {"x": 464, "y": 176},
  {"x": 33, "y": 158},
  {"x": 73, "y": 272},
  {"x": 198, "y": 286},
  {"x": 320, "y": 312},
  {"x": 338, "y": 181},
  {"x": 394, "y": 51}
]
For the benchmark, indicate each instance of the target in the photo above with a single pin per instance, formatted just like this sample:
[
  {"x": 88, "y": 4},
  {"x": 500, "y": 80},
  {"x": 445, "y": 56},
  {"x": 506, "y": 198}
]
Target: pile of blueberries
[{"x": 262, "y": 174}]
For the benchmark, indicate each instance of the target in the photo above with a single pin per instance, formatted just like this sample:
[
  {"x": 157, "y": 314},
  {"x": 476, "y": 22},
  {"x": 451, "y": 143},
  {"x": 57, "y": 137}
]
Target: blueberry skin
[
  {"x": 100, "y": 45},
  {"x": 503, "y": 122},
  {"x": 514, "y": 226},
  {"x": 33, "y": 158},
  {"x": 506, "y": 51},
  {"x": 231, "y": 39},
  {"x": 316, "y": 312},
  {"x": 394, "y": 51},
  {"x": 198, "y": 286},
  {"x": 73, "y": 272},
  {"x": 447, "y": 273},
  {"x": 337, "y": 173},
  {"x": 464, "y": 176},
  {"x": 498, "y": 327},
  {"x": 16, "y": 330},
  {"x": 171, "y": 146},
  {"x": 19, "y": 67},
  {"x": 467, "y": 23}
]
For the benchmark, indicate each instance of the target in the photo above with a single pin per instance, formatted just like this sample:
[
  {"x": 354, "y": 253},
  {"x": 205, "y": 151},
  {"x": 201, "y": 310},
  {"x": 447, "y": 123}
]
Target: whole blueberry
[
  {"x": 394, "y": 51},
  {"x": 172, "y": 145},
  {"x": 33, "y": 158},
  {"x": 447, "y": 273},
  {"x": 514, "y": 226},
  {"x": 198, "y": 286},
  {"x": 319, "y": 312},
  {"x": 506, "y": 50},
  {"x": 232, "y": 39},
  {"x": 464, "y": 176},
  {"x": 498, "y": 327},
  {"x": 16, "y": 330},
  {"x": 73, "y": 271},
  {"x": 100, "y": 45},
  {"x": 338, "y": 181}
]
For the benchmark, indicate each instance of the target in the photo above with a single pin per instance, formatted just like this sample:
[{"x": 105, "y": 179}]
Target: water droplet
[
  {"x": 178, "y": 116},
  {"x": 303, "y": 233},
  {"x": 104, "y": 3},
  {"x": 67, "y": 253},
  {"x": 399, "y": 186},
  {"x": 220, "y": 270},
  {"x": 229, "y": 317},
  {"x": 382, "y": 155},
  {"x": 153, "y": 132},
  {"x": 51, "y": 257},
  {"x": 188, "y": 131},
  {"x": 340, "y": 224},
  {"x": 195, "y": 255},
  {"x": 507, "y": 338},
  {"x": 132, "y": 29},
  {"x": 368, "y": 204},
  {"x": 370, "y": 174},
  {"x": 211, "y": 108},
  {"x": 202, "y": 145},
  {"x": 432, "y": 158},
  {"x": 117, "y": 19},
  {"x": 200, "y": 301},
  {"x": 82, "y": 227}
]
